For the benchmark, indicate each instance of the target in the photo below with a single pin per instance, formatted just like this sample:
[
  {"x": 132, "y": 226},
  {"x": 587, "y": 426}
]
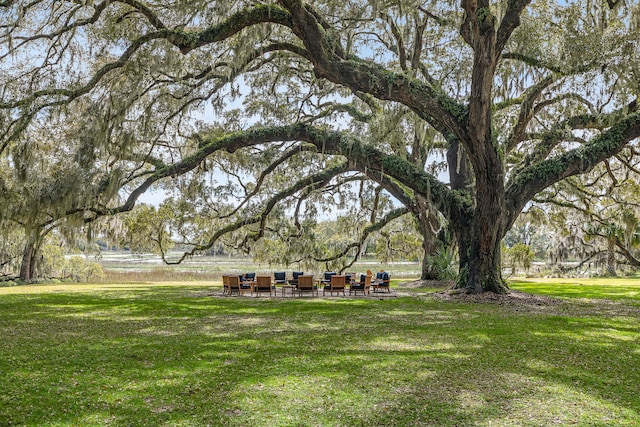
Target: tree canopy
[{"x": 462, "y": 111}]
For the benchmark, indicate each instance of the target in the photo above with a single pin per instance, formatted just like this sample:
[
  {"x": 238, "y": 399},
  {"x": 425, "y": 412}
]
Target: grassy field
[
  {"x": 610, "y": 288},
  {"x": 178, "y": 354}
]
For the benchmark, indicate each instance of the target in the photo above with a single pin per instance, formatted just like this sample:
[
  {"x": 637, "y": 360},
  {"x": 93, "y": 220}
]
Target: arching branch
[
  {"x": 362, "y": 157},
  {"x": 371, "y": 228},
  {"x": 622, "y": 250},
  {"x": 561, "y": 131},
  {"x": 31, "y": 105},
  {"x": 268, "y": 170},
  {"x": 364, "y": 76},
  {"x": 527, "y": 111},
  {"x": 536, "y": 177},
  {"x": 263, "y": 13},
  {"x": 510, "y": 22},
  {"x": 313, "y": 181}
]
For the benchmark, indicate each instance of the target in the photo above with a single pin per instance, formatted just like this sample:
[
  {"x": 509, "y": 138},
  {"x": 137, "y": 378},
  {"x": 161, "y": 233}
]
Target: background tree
[
  {"x": 11, "y": 245},
  {"x": 520, "y": 96},
  {"x": 148, "y": 229},
  {"x": 600, "y": 213},
  {"x": 47, "y": 178},
  {"x": 519, "y": 255}
]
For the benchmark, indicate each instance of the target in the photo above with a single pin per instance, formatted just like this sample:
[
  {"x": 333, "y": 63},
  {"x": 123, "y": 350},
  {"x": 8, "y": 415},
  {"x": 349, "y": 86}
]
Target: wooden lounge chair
[
  {"x": 362, "y": 286},
  {"x": 263, "y": 284},
  {"x": 235, "y": 285},
  {"x": 306, "y": 285},
  {"x": 295, "y": 275},
  {"x": 382, "y": 282},
  {"x": 225, "y": 285},
  {"x": 337, "y": 285},
  {"x": 351, "y": 278},
  {"x": 326, "y": 278},
  {"x": 246, "y": 281}
]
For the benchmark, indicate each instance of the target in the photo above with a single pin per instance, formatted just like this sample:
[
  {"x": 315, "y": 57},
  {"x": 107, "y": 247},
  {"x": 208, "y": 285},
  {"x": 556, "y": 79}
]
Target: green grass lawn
[
  {"x": 176, "y": 355},
  {"x": 610, "y": 288}
]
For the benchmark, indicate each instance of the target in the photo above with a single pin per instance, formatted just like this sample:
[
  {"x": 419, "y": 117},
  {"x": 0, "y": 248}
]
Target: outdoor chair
[
  {"x": 280, "y": 278},
  {"x": 382, "y": 281},
  {"x": 336, "y": 285},
  {"x": 235, "y": 285},
  {"x": 263, "y": 284},
  {"x": 362, "y": 286},
  {"x": 250, "y": 277},
  {"x": 295, "y": 275},
  {"x": 225, "y": 285},
  {"x": 326, "y": 278},
  {"x": 246, "y": 281},
  {"x": 350, "y": 277},
  {"x": 306, "y": 285}
]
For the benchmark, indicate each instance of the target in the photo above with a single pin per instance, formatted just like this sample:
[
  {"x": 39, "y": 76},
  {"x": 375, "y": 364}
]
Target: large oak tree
[
  {"x": 47, "y": 178},
  {"x": 520, "y": 95}
]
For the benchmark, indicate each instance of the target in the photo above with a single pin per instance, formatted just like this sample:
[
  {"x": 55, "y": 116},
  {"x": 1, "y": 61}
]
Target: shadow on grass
[{"x": 162, "y": 356}]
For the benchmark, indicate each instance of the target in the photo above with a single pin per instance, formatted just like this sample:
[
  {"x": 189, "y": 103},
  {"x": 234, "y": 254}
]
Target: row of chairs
[
  {"x": 301, "y": 283},
  {"x": 232, "y": 284},
  {"x": 381, "y": 281}
]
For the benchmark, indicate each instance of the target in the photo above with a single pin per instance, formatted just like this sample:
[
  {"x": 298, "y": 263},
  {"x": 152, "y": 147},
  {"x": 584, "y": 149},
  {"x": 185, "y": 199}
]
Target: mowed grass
[
  {"x": 602, "y": 287},
  {"x": 181, "y": 355}
]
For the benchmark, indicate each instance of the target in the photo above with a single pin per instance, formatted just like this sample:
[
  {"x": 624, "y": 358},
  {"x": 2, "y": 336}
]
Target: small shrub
[
  {"x": 519, "y": 255},
  {"x": 80, "y": 269},
  {"x": 442, "y": 265}
]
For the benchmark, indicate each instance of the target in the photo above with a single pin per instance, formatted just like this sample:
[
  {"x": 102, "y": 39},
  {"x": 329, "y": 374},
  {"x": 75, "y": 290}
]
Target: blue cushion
[
  {"x": 297, "y": 273},
  {"x": 328, "y": 274},
  {"x": 279, "y": 276}
]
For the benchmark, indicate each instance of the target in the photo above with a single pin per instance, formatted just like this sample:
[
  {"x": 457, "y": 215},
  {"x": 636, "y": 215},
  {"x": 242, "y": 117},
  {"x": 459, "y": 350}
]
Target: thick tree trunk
[
  {"x": 479, "y": 229},
  {"x": 611, "y": 257},
  {"x": 30, "y": 256},
  {"x": 429, "y": 239},
  {"x": 426, "y": 267},
  {"x": 479, "y": 234},
  {"x": 27, "y": 267},
  {"x": 480, "y": 269}
]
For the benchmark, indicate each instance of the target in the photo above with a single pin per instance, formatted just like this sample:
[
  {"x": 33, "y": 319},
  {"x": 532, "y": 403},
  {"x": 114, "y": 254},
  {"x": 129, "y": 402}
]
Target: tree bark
[
  {"x": 27, "y": 267},
  {"x": 480, "y": 260},
  {"x": 426, "y": 273},
  {"x": 479, "y": 231},
  {"x": 30, "y": 254},
  {"x": 479, "y": 234},
  {"x": 611, "y": 256},
  {"x": 428, "y": 246},
  {"x": 459, "y": 168},
  {"x": 426, "y": 224}
]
